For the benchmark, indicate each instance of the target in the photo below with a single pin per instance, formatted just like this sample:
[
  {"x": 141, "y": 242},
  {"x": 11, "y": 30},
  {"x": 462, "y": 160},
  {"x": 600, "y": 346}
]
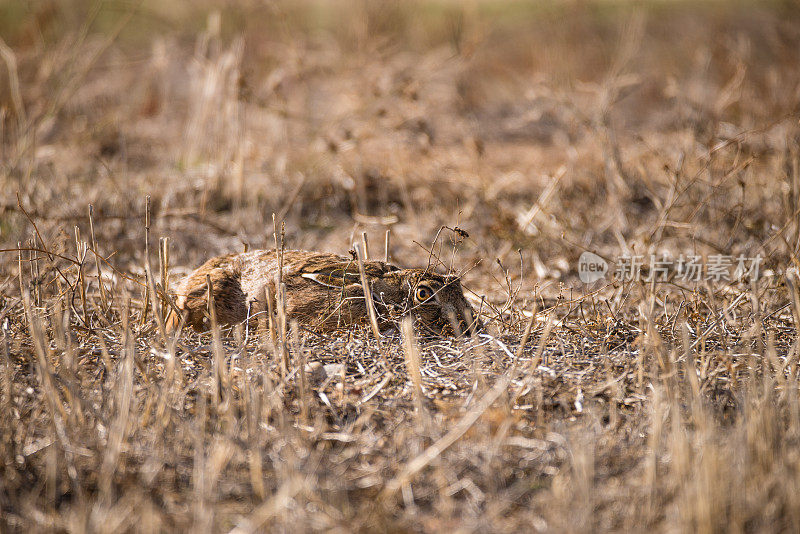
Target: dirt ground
[{"x": 502, "y": 139}]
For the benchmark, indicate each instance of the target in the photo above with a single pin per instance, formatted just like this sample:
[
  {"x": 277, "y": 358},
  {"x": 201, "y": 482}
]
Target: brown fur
[{"x": 323, "y": 292}]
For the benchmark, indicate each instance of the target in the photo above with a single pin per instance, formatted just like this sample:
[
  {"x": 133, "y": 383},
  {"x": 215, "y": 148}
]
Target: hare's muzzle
[
  {"x": 463, "y": 321},
  {"x": 471, "y": 324},
  {"x": 474, "y": 327}
]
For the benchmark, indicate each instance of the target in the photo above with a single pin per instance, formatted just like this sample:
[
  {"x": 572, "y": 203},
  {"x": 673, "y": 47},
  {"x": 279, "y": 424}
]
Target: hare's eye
[{"x": 423, "y": 293}]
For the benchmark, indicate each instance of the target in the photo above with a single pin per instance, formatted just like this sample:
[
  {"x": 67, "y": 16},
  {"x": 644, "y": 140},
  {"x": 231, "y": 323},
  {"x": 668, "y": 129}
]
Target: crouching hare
[{"x": 323, "y": 293}]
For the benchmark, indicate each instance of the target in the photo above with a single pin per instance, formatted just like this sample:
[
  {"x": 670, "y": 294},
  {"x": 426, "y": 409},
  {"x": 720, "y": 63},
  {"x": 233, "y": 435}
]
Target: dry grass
[{"x": 540, "y": 130}]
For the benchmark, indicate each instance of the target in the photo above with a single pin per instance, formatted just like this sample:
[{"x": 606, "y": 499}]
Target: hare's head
[{"x": 438, "y": 302}]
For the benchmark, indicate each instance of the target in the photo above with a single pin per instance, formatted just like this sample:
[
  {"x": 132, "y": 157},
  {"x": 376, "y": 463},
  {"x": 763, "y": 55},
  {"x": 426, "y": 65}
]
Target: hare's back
[{"x": 260, "y": 264}]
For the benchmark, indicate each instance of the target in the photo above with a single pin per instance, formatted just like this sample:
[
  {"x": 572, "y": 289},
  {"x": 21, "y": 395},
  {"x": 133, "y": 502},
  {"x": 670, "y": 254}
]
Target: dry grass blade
[
  {"x": 273, "y": 338},
  {"x": 302, "y": 378},
  {"x": 80, "y": 254},
  {"x": 10, "y": 59},
  {"x": 527, "y": 333},
  {"x": 100, "y": 284},
  {"x": 147, "y": 263},
  {"x": 154, "y": 301},
  {"x": 365, "y": 245},
  {"x": 793, "y": 283},
  {"x": 369, "y": 303},
  {"x": 269, "y": 509},
  {"x": 58, "y": 415},
  {"x": 163, "y": 262},
  {"x": 284, "y": 354},
  {"x": 124, "y": 403},
  {"x": 525, "y": 220},
  {"x": 219, "y": 378},
  {"x": 412, "y": 359},
  {"x": 659, "y": 134},
  {"x": 281, "y": 296},
  {"x": 8, "y": 383},
  {"x": 373, "y": 321},
  {"x": 690, "y": 363},
  {"x": 457, "y": 431},
  {"x": 537, "y": 359}
]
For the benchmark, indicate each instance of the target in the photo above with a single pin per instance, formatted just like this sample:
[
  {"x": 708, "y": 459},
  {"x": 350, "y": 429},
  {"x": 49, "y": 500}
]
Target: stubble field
[{"x": 500, "y": 139}]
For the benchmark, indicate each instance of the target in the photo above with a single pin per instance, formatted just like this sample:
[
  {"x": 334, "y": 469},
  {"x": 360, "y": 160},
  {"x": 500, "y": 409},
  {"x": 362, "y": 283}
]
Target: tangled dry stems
[{"x": 627, "y": 406}]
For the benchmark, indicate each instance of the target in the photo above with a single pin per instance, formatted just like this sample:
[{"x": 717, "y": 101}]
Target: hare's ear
[{"x": 336, "y": 278}]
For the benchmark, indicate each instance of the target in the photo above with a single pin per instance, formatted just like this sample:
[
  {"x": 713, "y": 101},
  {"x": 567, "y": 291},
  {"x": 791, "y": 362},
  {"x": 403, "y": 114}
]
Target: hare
[{"x": 323, "y": 292}]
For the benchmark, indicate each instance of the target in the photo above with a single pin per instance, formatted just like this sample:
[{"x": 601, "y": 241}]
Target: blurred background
[
  {"x": 539, "y": 128},
  {"x": 505, "y": 137}
]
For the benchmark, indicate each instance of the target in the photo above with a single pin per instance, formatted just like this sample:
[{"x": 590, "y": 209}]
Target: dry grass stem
[{"x": 616, "y": 187}]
